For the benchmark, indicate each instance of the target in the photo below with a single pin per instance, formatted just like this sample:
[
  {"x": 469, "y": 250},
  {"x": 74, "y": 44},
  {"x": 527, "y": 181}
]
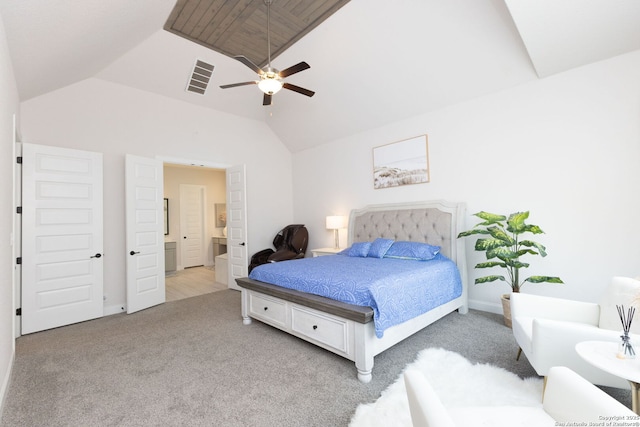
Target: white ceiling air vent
[{"x": 200, "y": 77}]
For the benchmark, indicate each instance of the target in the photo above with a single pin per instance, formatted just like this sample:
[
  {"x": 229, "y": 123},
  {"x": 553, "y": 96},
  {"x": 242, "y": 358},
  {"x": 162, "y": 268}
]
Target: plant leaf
[
  {"x": 490, "y": 264},
  {"x": 488, "y": 244},
  {"x": 490, "y": 218},
  {"x": 516, "y": 263},
  {"x": 515, "y": 223},
  {"x": 525, "y": 252},
  {"x": 488, "y": 279},
  {"x": 472, "y": 232},
  {"x": 501, "y": 252},
  {"x": 543, "y": 279},
  {"x": 500, "y": 234},
  {"x": 536, "y": 245},
  {"x": 533, "y": 229}
]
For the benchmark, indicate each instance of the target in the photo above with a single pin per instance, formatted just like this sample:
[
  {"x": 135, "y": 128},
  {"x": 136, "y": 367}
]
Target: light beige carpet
[{"x": 193, "y": 363}]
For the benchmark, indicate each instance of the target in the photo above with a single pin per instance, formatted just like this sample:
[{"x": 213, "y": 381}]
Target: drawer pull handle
[
  {"x": 315, "y": 327},
  {"x": 266, "y": 308}
]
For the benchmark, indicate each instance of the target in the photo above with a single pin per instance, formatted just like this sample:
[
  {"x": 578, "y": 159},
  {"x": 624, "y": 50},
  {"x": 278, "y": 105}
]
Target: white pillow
[{"x": 622, "y": 291}]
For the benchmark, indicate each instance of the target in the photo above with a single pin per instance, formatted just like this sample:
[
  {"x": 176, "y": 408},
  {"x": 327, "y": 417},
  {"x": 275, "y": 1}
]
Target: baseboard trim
[
  {"x": 6, "y": 382},
  {"x": 114, "y": 309},
  {"x": 486, "y": 306}
]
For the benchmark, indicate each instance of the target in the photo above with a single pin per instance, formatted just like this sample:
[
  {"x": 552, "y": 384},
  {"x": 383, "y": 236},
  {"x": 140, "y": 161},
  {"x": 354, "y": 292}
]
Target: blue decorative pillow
[
  {"x": 360, "y": 249},
  {"x": 412, "y": 250},
  {"x": 379, "y": 247}
]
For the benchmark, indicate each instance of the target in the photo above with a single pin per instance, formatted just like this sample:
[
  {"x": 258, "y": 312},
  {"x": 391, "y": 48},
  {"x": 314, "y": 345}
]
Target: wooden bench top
[{"x": 356, "y": 313}]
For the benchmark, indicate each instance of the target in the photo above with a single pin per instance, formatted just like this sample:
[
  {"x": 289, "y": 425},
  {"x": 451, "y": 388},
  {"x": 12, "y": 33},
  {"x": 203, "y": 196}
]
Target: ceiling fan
[{"x": 271, "y": 79}]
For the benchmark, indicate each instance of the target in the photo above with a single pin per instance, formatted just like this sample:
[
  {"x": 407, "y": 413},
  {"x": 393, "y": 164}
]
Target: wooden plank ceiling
[{"x": 239, "y": 27}]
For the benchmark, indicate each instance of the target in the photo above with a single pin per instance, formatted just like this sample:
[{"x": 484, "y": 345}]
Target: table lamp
[{"x": 336, "y": 222}]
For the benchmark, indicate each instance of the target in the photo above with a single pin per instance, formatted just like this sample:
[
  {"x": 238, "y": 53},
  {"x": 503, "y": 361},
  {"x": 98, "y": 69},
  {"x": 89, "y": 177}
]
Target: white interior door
[
  {"x": 62, "y": 237},
  {"x": 16, "y": 232},
  {"x": 236, "y": 225},
  {"x": 192, "y": 224},
  {"x": 145, "y": 232}
]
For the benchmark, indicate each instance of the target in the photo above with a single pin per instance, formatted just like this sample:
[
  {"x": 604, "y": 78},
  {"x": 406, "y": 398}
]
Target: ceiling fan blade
[
  {"x": 266, "y": 100},
  {"x": 294, "y": 69},
  {"x": 238, "y": 84},
  {"x": 246, "y": 61},
  {"x": 298, "y": 89}
]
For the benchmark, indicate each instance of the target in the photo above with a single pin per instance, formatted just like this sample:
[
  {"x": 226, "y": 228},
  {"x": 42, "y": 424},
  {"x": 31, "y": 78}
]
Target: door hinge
[
  {"x": 18, "y": 311},
  {"x": 19, "y": 260},
  {"x": 19, "y": 159},
  {"x": 19, "y": 209}
]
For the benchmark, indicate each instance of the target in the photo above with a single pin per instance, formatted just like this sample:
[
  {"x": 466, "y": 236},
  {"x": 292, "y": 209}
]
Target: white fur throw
[{"x": 458, "y": 383}]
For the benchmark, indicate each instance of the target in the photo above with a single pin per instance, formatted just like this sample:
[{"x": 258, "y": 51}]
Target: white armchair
[
  {"x": 548, "y": 329},
  {"x": 568, "y": 398}
]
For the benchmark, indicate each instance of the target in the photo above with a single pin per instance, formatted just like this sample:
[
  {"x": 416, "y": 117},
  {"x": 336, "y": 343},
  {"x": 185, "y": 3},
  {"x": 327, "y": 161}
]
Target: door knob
[
  {"x": 242, "y": 244},
  {"x": 184, "y": 237},
  {"x": 96, "y": 256},
  {"x": 133, "y": 253}
]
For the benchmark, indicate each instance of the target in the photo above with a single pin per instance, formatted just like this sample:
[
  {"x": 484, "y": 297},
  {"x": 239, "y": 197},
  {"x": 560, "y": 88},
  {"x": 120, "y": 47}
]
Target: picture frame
[
  {"x": 221, "y": 215},
  {"x": 400, "y": 163}
]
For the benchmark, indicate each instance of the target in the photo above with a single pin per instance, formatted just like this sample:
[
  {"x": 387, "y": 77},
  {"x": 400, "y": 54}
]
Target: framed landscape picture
[{"x": 401, "y": 163}]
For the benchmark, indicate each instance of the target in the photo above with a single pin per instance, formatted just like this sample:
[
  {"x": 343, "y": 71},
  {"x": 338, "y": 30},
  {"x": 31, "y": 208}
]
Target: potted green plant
[{"x": 503, "y": 246}]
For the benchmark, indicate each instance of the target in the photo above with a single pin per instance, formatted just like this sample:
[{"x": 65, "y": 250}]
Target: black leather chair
[{"x": 290, "y": 243}]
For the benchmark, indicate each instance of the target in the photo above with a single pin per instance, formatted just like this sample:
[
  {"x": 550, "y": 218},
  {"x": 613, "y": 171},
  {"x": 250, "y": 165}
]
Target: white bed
[{"x": 346, "y": 329}]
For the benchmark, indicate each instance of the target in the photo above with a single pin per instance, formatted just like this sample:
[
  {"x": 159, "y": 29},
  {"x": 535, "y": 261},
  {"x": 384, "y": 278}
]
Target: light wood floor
[{"x": 191, "y": 282}]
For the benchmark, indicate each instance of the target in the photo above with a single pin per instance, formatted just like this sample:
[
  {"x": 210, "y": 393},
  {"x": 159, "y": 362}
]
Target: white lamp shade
[
  {"x": 270, "y": 85},
  {"x": 336, "y": 222}
]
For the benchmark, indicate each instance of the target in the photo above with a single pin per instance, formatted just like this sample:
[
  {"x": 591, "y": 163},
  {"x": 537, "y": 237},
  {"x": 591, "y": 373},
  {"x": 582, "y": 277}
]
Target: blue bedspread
[{"x": 396, "y": 289}]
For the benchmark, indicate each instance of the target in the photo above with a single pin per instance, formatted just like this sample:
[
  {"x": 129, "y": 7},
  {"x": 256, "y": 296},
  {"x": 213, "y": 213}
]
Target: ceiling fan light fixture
[
  {"x": 271, "y": 79},
  {"x": 269, "y": 85}
]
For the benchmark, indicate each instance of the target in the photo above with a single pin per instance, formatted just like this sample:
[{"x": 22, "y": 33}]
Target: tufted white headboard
[{"x": 434, "y": 222}]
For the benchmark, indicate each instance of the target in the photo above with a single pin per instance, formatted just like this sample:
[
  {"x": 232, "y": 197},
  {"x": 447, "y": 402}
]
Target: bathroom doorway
[{"x": 189, "y": 278}]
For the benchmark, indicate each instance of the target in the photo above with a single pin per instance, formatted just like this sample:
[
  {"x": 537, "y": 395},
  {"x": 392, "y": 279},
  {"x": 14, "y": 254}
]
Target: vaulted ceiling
[
  {"x": 373, "y": 62},
  {"x": 239, "y": 27}
]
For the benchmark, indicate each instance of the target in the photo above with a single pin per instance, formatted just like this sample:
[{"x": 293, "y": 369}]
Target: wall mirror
[{"x": 166, "y": 217}]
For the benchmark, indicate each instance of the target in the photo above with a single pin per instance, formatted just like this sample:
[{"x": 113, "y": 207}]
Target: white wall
[
  {"x": 567, "y": 148},
  {"x": 8, "y": 107},
  {"x": 215, "y": 183},
  {"x": 564, "y": 147},
  {"x": 96, "y": 115}
]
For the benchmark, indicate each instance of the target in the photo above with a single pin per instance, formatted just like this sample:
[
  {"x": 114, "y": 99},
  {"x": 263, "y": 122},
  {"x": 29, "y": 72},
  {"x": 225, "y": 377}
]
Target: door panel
[
  {"x": 145, "y": 233},
  {"x": 236, "y": 225},
  {"x": 62, "y": 242},
  {"x": 192, "y": 215}
]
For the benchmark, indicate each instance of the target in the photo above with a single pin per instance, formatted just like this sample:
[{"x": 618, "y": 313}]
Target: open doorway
[{"x": 195, "y": 230}]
